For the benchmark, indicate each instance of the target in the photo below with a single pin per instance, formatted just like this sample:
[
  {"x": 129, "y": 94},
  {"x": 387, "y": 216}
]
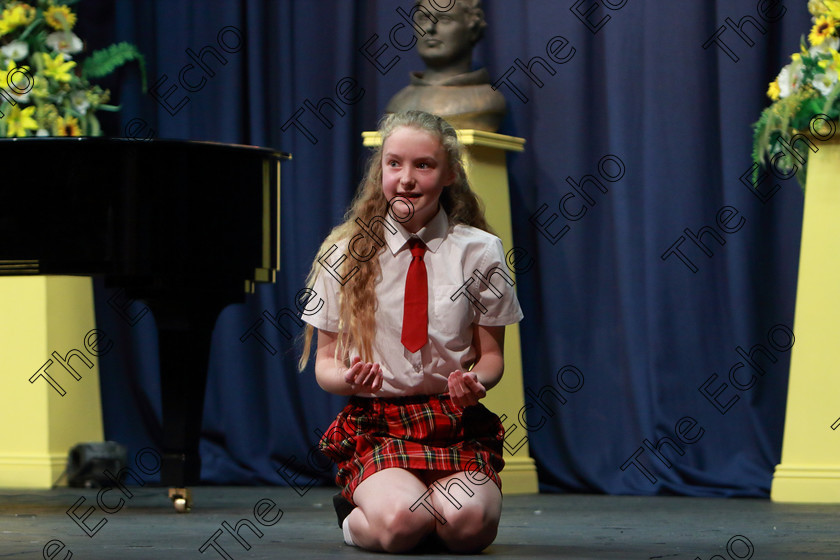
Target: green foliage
[
  {"x": 104, "y": 61},
  {"x": 782, "y": 120}
]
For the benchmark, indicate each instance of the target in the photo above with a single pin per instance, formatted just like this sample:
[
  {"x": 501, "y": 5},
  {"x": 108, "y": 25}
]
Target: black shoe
[{"x": 343, "y": 507}]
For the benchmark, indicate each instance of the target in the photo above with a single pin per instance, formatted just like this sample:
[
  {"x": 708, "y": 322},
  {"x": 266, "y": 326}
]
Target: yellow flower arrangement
[
  {"x": 57, "y": 68},
  {"x": 44, "y": 85},
  {"x": 67, "y": 127},
  {"x": 60, "y": 18},
  {"x": 20, "y": 120},
  {"x": 16, "y": 16},
  {"x": 824, "y": 27},
  {"x": 806, "y": 88}
]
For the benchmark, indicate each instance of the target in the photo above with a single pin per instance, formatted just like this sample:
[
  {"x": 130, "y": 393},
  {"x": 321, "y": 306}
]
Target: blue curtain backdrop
[{"x": 640, "y": 94}]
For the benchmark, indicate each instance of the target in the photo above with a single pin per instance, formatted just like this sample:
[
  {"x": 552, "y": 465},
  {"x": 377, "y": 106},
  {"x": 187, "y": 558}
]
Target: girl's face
[{"x": 415, "y": 166}]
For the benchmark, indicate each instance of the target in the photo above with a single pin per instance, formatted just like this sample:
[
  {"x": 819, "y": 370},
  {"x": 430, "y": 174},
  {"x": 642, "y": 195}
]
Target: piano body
[{"x": 186, "y": 226}]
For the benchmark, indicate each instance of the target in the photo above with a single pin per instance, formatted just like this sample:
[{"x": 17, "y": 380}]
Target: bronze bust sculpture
[{"x": 449, "y": 87}]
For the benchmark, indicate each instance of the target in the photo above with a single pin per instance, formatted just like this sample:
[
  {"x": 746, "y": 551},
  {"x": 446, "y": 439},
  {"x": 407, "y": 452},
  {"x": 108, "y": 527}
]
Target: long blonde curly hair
[{"x": 357, "y": 296}]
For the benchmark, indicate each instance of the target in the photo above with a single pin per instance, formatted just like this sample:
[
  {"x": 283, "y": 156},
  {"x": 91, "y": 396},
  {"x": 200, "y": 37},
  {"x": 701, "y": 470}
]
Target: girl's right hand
[{"x": 364, "y": 377}]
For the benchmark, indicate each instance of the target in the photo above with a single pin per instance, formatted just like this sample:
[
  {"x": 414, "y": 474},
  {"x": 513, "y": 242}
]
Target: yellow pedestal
[
  {"x": 810, "y": 467},
  {"x": 486, "y": 167},
  {"x": 40, "y": 315}
]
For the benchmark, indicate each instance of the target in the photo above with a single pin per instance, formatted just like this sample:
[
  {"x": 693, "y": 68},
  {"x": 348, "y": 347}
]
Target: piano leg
[{"x": 184, "y": 333}]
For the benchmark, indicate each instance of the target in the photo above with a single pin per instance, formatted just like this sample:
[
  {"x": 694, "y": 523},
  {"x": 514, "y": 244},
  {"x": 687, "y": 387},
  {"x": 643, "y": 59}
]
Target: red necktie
[{"x": 416, "y": 309}]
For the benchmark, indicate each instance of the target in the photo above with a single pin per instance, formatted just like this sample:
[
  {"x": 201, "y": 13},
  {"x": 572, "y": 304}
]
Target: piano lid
[
  {"x": 94, "y": 140},
  {"x": 151, "y": 212}
]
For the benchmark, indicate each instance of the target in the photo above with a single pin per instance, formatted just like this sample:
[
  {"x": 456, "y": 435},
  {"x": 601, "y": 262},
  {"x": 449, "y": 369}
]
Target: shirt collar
[{"x": 432, "y": 234}]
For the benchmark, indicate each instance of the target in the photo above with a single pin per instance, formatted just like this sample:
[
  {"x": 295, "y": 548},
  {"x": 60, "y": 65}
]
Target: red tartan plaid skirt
[{"x": 422, "y": 432}]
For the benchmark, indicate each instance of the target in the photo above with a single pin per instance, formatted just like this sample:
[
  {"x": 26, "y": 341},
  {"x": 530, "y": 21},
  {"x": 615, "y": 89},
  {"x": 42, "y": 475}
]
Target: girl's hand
[
  {"x": 465, "y": 389},
  {"x": 363, "y": 376}
]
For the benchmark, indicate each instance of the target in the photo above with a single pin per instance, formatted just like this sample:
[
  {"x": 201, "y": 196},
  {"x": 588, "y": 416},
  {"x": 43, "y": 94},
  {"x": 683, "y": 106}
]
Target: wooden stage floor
[{"x": 573, "y": 527}]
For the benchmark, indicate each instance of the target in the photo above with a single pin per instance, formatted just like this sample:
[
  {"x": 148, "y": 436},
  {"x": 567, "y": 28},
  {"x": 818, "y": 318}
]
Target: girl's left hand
[
  {"x": 362, "y": 376},
  {"x": 465, "y": 389}
]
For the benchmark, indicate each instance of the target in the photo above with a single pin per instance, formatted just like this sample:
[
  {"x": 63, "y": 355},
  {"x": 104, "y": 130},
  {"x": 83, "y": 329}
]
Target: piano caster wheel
[{"x": 181, "y": 499}]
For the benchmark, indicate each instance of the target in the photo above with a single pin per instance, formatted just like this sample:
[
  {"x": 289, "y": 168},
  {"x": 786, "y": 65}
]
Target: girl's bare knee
[
  {"x": 469, "y": 529},
  {"x": 402, "y": 529}
]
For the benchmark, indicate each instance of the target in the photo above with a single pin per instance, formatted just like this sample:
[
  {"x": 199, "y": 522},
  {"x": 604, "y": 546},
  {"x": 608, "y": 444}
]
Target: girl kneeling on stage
[{"x": 412, "y": 301}]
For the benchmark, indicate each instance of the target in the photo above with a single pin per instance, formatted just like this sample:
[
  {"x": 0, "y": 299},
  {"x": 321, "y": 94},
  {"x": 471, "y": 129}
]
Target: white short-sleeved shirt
[{"x": 469, "y": 284}]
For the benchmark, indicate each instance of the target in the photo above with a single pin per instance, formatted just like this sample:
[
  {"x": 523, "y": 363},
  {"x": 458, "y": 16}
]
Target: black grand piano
[{"x": 188, "y": 227}]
